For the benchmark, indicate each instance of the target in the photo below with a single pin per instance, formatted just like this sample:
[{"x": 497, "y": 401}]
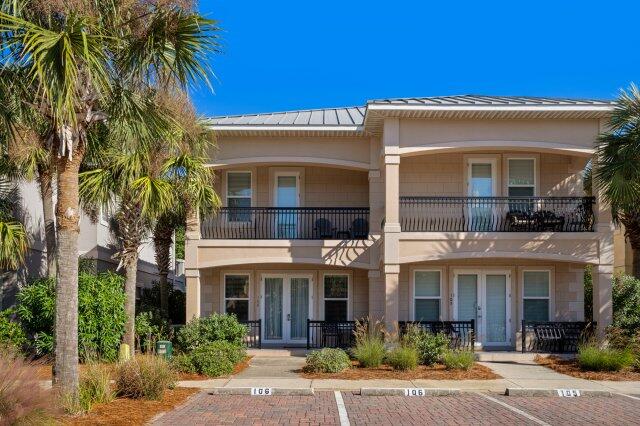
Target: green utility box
[{"x": 164, "y": 348}]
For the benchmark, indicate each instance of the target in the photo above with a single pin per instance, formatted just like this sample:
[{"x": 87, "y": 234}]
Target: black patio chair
[
  {"x": 521, "y": 221},
  {"x": 323, "y": 228},
  {"x": 359, "y": 228},
  {"x": 548, "y": 221}
]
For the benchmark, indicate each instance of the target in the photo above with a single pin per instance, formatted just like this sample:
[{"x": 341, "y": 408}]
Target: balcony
[
  {"x": 497, "y": 214},
  {"x": 287, "y": 223}
]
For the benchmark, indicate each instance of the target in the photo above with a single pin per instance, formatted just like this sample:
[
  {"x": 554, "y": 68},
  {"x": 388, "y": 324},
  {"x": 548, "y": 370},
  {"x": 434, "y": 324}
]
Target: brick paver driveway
[{"x": 464, "y": 409}]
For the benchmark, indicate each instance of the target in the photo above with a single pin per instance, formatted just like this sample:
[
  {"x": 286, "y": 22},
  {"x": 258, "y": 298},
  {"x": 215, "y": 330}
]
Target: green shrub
[
  {"x": 327, "y": 360},
  {"x": 183, "y": 363},
  {"x": 11, "y": 333},
  {"x": 101, "y": 314},
  {"x": 626, "y": 299},
  {"x": 458, "y": 360},
  {"x": 217, "y": 358},
  {"x": 150, "y": 327},
  {"x": 370, "y": 351},
  {"x": 150, "y": 302},
  {"x": 593, "y": 358},
  {"x": 201, "y": 331},
  {"x": 403, "y": 358},
  {"x": 95, "y": 386},
  {"x": 431, "y": 347},
  {"x": 144, "y": 376}
]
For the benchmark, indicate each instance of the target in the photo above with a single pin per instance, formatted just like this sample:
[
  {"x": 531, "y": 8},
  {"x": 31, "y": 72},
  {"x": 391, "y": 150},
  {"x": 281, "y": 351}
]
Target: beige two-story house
[{"x": 452, "y": 208}]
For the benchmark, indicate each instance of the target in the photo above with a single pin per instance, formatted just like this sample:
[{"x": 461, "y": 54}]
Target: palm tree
[
  {"x": 192, "y": 184},
  {"x": 78, "y": 54},
  {"x": 149, "y": 179},
  {"x": 13, "y": 237},
  {"x": 617, "y": 169}
]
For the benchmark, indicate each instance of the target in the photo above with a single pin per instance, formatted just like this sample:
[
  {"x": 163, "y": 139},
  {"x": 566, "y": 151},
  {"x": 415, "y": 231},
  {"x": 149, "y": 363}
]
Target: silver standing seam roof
[{"x": 356, "y": 119}]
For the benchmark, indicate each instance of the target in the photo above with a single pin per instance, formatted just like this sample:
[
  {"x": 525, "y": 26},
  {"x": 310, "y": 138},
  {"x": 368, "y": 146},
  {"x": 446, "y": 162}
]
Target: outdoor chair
[
  {"x": 323, "y": 228},
  {"x": 359, "y": 228}
]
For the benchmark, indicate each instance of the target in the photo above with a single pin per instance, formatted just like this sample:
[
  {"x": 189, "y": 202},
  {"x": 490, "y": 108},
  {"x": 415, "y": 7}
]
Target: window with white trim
[
  {"x": 239, "y": 193},
  {"x": 522, "y": 177},
  {"x": 336, "y": 297},
  {"x": 536, "y": 289},
  {"x": 236, "y": 296},
  {"x": 427, "y": 295}
]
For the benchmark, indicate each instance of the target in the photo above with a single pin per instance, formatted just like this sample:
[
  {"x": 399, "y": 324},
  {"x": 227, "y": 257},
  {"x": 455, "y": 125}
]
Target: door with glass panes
[
  {"x": 286, "y": 304},
  {"x": 484, "y": 296}
]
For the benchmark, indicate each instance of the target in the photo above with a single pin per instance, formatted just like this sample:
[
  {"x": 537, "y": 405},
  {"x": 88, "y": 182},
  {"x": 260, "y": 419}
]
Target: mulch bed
[
  {"x": 436, "y": 372},
  {"x": 570, "y": 368},
  {"x": 123, "y": 411}
]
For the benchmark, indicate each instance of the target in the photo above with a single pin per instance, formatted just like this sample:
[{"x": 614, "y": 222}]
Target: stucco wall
[
  {"x": 211, "y": 288},
  {"x": 566, "y": 278},
  {"x": 320, "y": 186},
  {"x": 445, "y": 174}
]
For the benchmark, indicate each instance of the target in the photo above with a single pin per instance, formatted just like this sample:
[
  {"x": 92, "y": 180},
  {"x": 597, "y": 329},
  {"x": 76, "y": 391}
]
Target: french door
[
  {"x": 287, "y": 194},
  {"x": 484, "y": 296},
  {"x": 481, "y": 182},
  {"x": 286, "y": 304}
]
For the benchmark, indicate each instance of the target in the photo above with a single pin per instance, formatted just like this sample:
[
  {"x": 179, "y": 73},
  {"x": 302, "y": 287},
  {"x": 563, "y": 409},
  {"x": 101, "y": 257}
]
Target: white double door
[
  {"x": 484, "y": 296},
  {"x": 286, "y": 304}
]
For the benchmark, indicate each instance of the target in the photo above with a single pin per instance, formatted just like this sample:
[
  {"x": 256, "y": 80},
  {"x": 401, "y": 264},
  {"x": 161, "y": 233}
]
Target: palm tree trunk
[
  {"x": 45, "y": 179},
  {"x": 631, "y": 222},
  {"x": 66, "y": 318},
  {"x": 162, "y": 240},
  {"x": 635, "y": 266},
  {"x": 131, "y": 271}
]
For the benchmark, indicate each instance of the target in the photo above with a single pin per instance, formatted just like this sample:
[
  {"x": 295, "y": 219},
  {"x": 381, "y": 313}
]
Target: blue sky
[{"x": 283, "y": 54}]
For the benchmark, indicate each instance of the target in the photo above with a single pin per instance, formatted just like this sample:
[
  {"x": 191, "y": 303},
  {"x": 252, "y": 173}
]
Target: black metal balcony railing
[
  {"x": 556, "y": 336},
  {"x": 496, "y": 214},
  {"x": 287, "y": 223},
  {"x": 461, "y": 334}
]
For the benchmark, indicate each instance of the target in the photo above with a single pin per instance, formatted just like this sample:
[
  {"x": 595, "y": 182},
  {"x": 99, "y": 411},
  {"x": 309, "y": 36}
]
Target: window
[
  {"x": 535, "y": 295},
  {"x": 239, "y": 195},
  {"x": 236, "y": 296},
  {"x": 522, "y": 181},
  {"x": 426, "y": 296},
  {"x": 336, "y": 297}
]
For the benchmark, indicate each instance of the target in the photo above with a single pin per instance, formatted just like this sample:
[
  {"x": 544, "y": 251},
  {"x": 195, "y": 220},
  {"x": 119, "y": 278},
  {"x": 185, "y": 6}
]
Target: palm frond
[{"x": 13, "y": 244}]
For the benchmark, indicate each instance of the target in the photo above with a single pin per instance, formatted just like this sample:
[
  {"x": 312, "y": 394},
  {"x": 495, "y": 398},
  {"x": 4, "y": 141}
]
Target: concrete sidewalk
[{"x": 280, "y": 370}]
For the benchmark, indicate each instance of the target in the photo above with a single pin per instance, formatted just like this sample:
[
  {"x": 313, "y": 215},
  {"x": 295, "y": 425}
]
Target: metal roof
[
  {"x": 348, "y": 116},
  {"x": 361, "y": 120},
  {"x": 481, "y": 100}
]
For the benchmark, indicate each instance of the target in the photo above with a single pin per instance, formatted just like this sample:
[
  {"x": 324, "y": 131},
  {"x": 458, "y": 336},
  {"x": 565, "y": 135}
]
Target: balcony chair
[
  {"x": 521, "y": 221},
  {"x": 323, "y": 229},
  {"x": 548, "y": 221},
  {"x": 359, "y": 229}
]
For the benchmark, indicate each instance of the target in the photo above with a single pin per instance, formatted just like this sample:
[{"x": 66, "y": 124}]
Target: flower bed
[
  {"x": 435, "y": 372},
  {"x": 570, "y": 367}
]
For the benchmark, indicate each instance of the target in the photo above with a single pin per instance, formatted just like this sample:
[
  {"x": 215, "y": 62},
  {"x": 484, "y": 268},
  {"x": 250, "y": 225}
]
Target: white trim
[
  {"x": 223, "y": 292},
  {"x": 325, "y": 162},
  {"x": 495, "y": 173},
  {"x": 226, "y": 186},
  {"x": 412, "y": 292},
  {"x": 536, "y": 173},
  {"x": 551, "y": 108},
  {"x": 552, "y": 290},
  {"x": 481, "y": 323},
  {"x": 349, "y": 298}
]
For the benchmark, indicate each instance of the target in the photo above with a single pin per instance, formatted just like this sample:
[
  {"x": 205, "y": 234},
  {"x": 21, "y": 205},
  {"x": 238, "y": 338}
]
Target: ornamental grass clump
[
  {"x": 369, "y": 349},
  {"x": 593, "y": 358},
  {"x": 144, "y": 376},
  {"x": 327, "y": 360},
  {"x": 403, "y": 358},
  {"x": 458, "y": 360},
  {"x": 95, "y": 386}
]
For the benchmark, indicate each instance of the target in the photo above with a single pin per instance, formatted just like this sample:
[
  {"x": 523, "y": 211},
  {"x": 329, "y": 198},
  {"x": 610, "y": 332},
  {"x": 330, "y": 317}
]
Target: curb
[
  {"x": 551, "y": 392},
  {"x": 401, "y": 391},
  {"x": 274, "y": 391}
]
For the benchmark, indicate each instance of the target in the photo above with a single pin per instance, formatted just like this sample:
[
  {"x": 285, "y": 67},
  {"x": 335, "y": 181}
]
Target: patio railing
[
  {"x": 497, "y": 214},
  {"x": 461, "y": 333},
  {"x": 253, "y": 338},
  {"x": 330, "y": 334},
  {"x": 287, "y": 223},
  {"x": 555, "y": 336}
]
